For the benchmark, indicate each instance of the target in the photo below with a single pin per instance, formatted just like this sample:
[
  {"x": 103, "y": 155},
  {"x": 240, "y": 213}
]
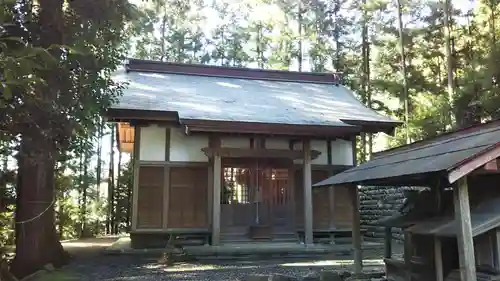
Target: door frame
[{"x": 256, "y": 171}]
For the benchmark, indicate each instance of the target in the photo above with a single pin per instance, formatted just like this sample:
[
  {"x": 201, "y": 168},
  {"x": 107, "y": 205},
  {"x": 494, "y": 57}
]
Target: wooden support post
[
  {"x": 465, "y": 241},
  {"x": 331, "y": 192},
  {"x": 356, "y": 229},
  {"x": 388, "y": 242},
  {"x": 308, "y": 207},
  {"x": 438, "y": 259},
  {"x": 217, "y": 174},
  {"x": 135, "y": 166},
  {"x": 407, "y": 253},
  {"x": 496, "y": 250}
]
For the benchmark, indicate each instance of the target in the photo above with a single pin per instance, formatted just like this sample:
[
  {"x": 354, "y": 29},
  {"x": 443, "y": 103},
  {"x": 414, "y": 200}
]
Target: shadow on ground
[{"x": 90, "y": 265}]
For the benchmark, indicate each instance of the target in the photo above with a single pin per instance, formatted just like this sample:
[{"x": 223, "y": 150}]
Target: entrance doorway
[{"x": 256, "y": 193}]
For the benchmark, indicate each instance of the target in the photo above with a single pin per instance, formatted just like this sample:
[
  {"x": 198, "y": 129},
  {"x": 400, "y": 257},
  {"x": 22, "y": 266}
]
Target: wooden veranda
[{"x": 459, "y": 160}]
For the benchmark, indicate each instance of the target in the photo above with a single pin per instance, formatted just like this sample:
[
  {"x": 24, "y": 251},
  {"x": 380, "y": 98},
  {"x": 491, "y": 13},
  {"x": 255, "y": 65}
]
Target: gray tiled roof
[
  {"x": 232, "y": 99},
  {"x": 436, "y": 155}
]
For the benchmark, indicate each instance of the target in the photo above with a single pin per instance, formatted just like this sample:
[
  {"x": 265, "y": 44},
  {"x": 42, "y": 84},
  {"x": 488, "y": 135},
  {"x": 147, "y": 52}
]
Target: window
[{"x": 235, "y": 187}]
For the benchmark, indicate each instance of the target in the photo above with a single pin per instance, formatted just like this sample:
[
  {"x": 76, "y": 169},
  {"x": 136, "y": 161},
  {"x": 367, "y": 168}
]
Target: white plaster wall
[
  {"x": 277, "y": 143},
  {"x": 187, "y": 148},
  {"x": 342, "y": 152},
  {"x": 319, "y": 145},
  {"x": 235, "y": 142},
  {"x": 152, "y": 143}
]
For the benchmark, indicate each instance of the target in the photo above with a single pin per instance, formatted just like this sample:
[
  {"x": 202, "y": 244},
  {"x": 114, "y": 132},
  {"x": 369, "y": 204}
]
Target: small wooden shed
[{"x": 451, "y": 229}]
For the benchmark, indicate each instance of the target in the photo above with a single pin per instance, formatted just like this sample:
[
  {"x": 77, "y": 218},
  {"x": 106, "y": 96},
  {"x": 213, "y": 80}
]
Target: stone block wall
[{"x": 378, "y": 202}]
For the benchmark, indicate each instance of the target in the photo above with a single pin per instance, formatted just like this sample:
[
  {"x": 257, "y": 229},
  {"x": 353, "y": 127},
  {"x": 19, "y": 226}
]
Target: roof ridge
[{"x": 138, "y": 65}]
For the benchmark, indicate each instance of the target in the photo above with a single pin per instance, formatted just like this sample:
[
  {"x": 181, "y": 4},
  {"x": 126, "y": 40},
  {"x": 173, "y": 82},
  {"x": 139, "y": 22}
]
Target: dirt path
[{"x": 88, "y": 247}]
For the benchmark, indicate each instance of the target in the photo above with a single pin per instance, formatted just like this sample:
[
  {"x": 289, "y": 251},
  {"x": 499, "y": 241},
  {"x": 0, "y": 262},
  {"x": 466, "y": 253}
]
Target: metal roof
[
  {"x": 246, "y": 100},
  {"x": 483, "y": 218},
  {"x": 416, "y": 163}
]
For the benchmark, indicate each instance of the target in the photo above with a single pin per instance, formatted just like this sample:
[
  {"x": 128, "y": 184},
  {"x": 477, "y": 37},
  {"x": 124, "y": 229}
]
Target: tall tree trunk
[
  {"x": 260, "y": 63},
  {"x": 99, "y": 168},
  {"x": 364, "y": 79},
  {"x": 80, "y": 185},
  {"x": 111, "y": 182},
  {"x": 336, "y": 35},
  {"x": 61, "y": 218},
  {"x": 368, "y": 96},
  {"x": 406, "y": 97},
  {"x": 37, "y": 241},
  {"x": 300, "y": 51},
  {"x": 163, "y": 29},
  {"x": 449, "y": 57},
  {"x": 85, "y": 187}
]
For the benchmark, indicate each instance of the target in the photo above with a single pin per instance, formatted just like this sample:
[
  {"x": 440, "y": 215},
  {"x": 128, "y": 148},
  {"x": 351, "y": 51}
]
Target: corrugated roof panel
[
  {"x": 432, "y": 157},
  {"x": 231, "y": 99}
]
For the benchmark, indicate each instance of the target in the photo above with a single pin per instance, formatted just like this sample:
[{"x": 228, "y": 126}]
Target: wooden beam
[
  {"x": 229, "y": 152},
  {"x": 388, "y": 242},
  {"x": 210, "y": 194},
  {"x": 465, "y": 239},
  {"x": 407, "y": 252},
  {"x": 308, "y": 207},
  {"x": 331, "y": 189},
  {"x": 177, "y": 164},
  {"x": 438, "y": 259},
  {"x": 217, "y": 185},
  {"x": 492, "y": 165},
  {"x": 356, "y": 229},
  {"x": 135, "y": 188},
  {"x": 167, "y": 144},
  {"x": 496, "y": 250},
  {"x": 356, "y": 219},
  {"x": 467, "y": 166}
]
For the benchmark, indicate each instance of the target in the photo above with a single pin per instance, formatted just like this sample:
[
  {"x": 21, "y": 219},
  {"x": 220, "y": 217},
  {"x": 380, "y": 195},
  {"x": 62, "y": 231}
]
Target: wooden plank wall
[
  {"x": 188, "y": 202},
  {"x": 321, "y": 202},
  {"x": 185, "y": 197},
  {"x": 150, "y": 197},
  {"x": 342, "y": 215}
]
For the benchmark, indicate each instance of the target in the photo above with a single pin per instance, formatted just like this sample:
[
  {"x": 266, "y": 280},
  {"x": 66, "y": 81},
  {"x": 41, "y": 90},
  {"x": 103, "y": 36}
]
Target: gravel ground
[
  {"x": 125, "y": 268},
  {"x": 90, "y": 265}
]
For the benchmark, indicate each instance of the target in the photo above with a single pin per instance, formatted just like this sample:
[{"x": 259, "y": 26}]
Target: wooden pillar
[
  {"x": 135, "y": 168},
  {"x": 356, "y": 229},
  {"x": 388, "y": 242},
  {"x": 465, "y": 241},
  {"x": 496, "y": 251},
  {"x": 438, "y": 259},
  {"x": 356, "y": 219},
  {"x": 216, "y": 200},
  {"x": 308, "y": 207},
  {"x": 331, "y": 189}
]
